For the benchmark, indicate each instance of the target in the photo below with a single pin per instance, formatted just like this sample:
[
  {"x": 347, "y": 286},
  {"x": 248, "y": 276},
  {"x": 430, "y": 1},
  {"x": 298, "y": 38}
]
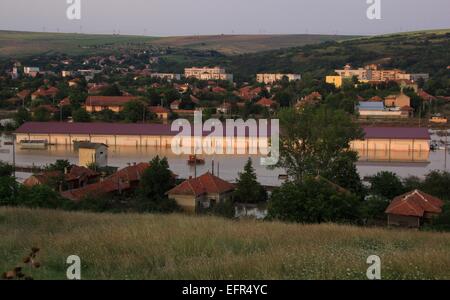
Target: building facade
[
  {"x": 205, "y": 73},
  {"x": 271, "y": 78}
]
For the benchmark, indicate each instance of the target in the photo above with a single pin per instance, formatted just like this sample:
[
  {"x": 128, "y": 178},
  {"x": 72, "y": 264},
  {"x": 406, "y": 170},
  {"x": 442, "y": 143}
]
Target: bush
[{"x": 313, "y": 201}]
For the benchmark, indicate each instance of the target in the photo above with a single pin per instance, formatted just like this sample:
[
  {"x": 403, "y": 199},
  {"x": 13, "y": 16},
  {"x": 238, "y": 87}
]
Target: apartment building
[
  {"x": 206, "y": 73},
  {"x": 271, "y": 78}
]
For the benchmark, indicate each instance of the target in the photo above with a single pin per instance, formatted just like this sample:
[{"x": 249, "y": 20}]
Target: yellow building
[
  {"x": 335, "y": 80},
  {"x": 114, "y": 103},
  {"x": 92, "y": 154},
  {"x": 197, "y": 194}
]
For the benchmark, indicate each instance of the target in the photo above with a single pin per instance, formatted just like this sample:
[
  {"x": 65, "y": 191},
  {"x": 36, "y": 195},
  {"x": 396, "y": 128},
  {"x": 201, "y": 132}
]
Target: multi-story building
[
  {"x": 271, "y": 78},
  {"x": 168, "y": 76},
  {"x": 205, "y": 73}
]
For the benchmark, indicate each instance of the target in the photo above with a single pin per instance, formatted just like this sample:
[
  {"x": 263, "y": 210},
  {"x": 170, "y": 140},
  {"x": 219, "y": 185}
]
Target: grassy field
[
  {"x": 239, "y": 44},
  {"x": 19, "y": 44},
  {"x": 132, "y": 246}
]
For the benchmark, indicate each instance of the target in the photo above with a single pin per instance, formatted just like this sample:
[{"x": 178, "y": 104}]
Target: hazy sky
[{"x": 192, "y": 17}]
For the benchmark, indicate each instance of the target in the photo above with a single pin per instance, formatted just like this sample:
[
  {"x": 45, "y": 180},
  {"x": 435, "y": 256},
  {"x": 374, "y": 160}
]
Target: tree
[
  {"x": 248, "y": 189},
  {"x": 312, "y": 200},
  {"x": 41, "y": 114},
  {"x": 59, "y": 165},
  {"x": 155, "y": 182},
  {"x": 80, "y": 115},
  {"x": 386, "y": 184},
  {"x": 8, "y": 185},
  {"x": 373, "y": 208},
  {"x": 437, "y": 183},
  {"x": 314, "y": 139},
  {"x": 134, "y": 111},
  {"x": 41, "y": 196},
  {"x": 112, "y": 90},
  {"x": 22, "y": 116}
]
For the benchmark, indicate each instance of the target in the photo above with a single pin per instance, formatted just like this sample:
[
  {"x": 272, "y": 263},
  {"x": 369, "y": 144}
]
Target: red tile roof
[
  {"x": 265, "y": 102},
  {"x": 415, "y": 203},
  {"x": 123, "y": 179},
  {"x": 109, "y": 100},
  {"x": 158, "y": 110},
  {"x": 205, "y": 184}
]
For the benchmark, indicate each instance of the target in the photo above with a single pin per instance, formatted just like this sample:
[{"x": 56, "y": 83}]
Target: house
[
  {"x": 265, "y": 102},
  {"x": 438, "y": 119},
  {"x": 399, "y": 100},
  {"x": 114, "y": 103},
  {"x": 52, "y": 110},
  {"x": 72, "y": 178},
  {"x": 24, "y": 94},
  {"x": 271, "y": 78},
  {"x": 425, "y": 96},
  {"x": 196, "y": 194},
  {"x": 96, "y": 88},
  {"x": 376, "y": 109},
  {"x": 175, "y": 104},
  {"x": 51, "y": 92},
  {"x": 92, "y": 153},
  {"x": 413, "y": 209},
  {"x": 125, "y": 180},
  {"x": 161, "y": 113},
  {"x": 218, "y": 90},
  {"x": 65, "y": 102},
  {"x": 249, "y": 93}
]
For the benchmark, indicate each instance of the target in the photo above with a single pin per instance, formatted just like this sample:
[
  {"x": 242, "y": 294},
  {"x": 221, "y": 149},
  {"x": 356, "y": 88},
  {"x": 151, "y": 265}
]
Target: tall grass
[{"x": 133, "y": 246}]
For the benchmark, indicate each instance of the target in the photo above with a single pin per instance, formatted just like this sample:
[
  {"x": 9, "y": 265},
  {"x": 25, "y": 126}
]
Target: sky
[{"x": 204, "y": 17}]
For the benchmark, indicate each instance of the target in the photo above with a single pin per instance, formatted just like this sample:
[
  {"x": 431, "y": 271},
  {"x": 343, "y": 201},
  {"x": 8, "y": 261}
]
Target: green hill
[
  {"x": 424, "y": 51},
  {"x": 147, "y": 246},
  {"x": 19, "y": 44}
]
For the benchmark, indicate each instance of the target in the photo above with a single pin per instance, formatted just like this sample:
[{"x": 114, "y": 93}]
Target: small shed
[
  {"x": 93, "y": 153},
  {"x": 413, "y": 209}
]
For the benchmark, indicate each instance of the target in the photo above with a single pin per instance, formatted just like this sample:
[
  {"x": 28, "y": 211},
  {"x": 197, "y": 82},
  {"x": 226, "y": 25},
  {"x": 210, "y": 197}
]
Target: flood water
[{"x": 228, "y": 166}]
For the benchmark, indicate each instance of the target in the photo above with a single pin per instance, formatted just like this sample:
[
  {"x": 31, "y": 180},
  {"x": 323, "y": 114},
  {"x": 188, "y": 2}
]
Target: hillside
[
  {"x": 132, "y": 246},
  {"x": 240, "y": 44},
  {"x": 19, "y": 44},
  {"x": 422, "y": 51}
]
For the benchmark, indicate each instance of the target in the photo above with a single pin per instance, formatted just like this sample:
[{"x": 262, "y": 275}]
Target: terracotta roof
[
  {"x": 415, "y": 203},
  {"x": 376, "y": 98},
  {"x": 205, "y": 184},
  {"x": 42, "y": 92},
  {"x": 65, "y": 102},
  {"x": 121, "y": 180},
  {"x": 265, "y": 102},
  {"x": 23, "y": 94},
  {"x": 109, "y": 100},
  {"x": 158, "y": 109}
]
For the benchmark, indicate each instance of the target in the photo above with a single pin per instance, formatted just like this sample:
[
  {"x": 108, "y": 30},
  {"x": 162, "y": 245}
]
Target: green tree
[
  {"x": 41, "y": 114},
  {"x": 80, "y": 115},
  {"x": 437, "y": 183},
  {"x": 373, "y": 208},
  {"x": 112, "y": 90},
  {"x": 155, "y": 182},
  {"x": 386, "y": 184},
  {"x": 22, "y": 115},
  {"x": 40, "y": 196},
  {"x": 315, "y": 139},
  {"x": 134, "y": 111},
  {"x": 248, "y": 189},
  {"x": 313, "y": 200}
]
